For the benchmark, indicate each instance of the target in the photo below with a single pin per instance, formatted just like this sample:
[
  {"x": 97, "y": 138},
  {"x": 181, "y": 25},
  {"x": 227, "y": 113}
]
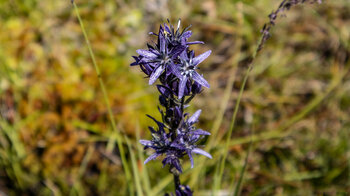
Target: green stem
[
  {"x": 105, "y": 96},
  {"x": 233, "y": 120}
]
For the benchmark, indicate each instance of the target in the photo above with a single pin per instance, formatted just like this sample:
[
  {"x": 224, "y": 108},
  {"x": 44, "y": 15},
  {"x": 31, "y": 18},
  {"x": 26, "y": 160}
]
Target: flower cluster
[
  {"x": 174, "y": 65},
  {"x": 171, "y": 61},
  {"x": 184, "y": 143}
]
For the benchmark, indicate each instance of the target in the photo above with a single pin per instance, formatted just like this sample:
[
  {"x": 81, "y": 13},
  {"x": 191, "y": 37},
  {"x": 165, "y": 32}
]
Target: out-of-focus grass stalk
[
  {"x": 134, "y": 168},
  {"x": 217, "y": 183},
  {"x": 214, "y": 138},
  {"x": 144, "y": 173},
  {"x": 104, "y": 92}
]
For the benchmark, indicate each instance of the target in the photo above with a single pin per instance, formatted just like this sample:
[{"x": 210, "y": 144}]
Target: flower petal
[
  {"x": 177, "y": 165},
  {"x": 137, "y": 59},
  {"x": 200, "y": 132},
  {"x": 198, "y": 59},
  {"x": 164, "y": 90},
  {"x": 177, "y": 51},
  {"x": 146, "y": 53},
  {"x": 177, "y": 146},
  {"x": 174, "y": 68},
  {"x": 194, "y": 42},
  {"x": 151, "y": 33},
  {"x": 202, "y": 152},
  {"x": 155, "y": 75},
  {"x": 146, "y": 142},
  {"x": 194, "y": 118},
  {"x": 161, "y": 42},
  {"x": 182, "y": 87},
  {"x": 160, "y": 124},
  {"x": 187, "y": 34},
  {"x": 167, "y": 28},
  {"x": 191, "y": 158},
  {"x": 198, "y": 78},
  {"x": 178, "y": 113},
  {"x": 153, "y": 156}
]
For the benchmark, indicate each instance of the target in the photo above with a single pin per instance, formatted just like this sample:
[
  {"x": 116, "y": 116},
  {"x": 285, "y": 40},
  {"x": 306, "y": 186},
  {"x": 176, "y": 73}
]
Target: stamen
[{"x": 178, "y": 24}]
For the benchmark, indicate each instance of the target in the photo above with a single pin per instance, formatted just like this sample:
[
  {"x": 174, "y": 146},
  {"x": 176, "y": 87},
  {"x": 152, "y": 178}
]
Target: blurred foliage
[{"x": 54, "y": 126}]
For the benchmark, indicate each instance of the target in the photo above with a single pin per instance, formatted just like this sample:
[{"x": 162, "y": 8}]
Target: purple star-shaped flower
[
  {"x": 188, "y": 136},
  {"x": 159, "y": 57},
  {"x": 160, "y": 140},
  {"x": 187, "y": 70}
]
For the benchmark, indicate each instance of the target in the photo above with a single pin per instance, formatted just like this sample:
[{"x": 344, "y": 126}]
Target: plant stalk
[{"x": 105, "y": 96}]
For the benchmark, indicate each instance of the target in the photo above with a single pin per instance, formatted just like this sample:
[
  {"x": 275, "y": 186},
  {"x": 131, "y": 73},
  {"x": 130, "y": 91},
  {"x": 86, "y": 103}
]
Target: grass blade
[
  {"x": 135, "y": 170},
  {"x": 144, "y": 173},
  {"x": 110, "y": 113}
]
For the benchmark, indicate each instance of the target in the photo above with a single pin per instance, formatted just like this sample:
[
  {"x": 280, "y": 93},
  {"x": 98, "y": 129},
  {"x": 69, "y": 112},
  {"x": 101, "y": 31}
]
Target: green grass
[{"x": 67, "y": 128}]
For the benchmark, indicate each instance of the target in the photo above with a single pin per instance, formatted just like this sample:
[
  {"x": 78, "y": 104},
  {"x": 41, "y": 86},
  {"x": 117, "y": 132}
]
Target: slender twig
[{"x": 105, "y": 96}]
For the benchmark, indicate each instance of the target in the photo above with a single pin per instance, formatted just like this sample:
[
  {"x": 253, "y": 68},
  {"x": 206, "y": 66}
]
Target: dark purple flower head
[{"x": 178, "y": 37}]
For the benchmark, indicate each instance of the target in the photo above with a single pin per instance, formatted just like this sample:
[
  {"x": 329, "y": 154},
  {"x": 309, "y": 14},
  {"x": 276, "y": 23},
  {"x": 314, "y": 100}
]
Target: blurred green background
[{"x": 54, "y": 126}]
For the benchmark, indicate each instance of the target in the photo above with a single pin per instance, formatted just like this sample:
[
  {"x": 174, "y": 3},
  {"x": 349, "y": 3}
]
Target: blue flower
[
  {"x": 184, "y": 143},
  {"x": 187, "y": 70},
  {"x": 156, "y": 59},
  {"x": 160, "y": 141},
  {"x": 188, "y": 136},
  {"x": 170, "y": 44}
]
